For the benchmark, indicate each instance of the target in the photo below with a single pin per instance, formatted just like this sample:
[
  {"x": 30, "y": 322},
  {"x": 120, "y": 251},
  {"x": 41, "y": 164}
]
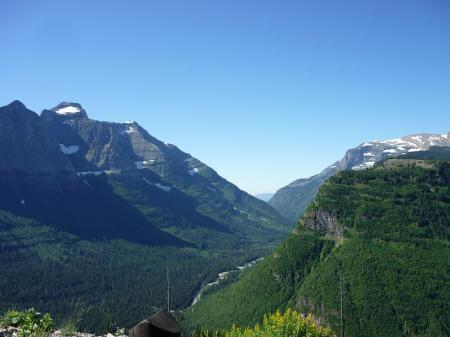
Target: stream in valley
[{"x": 222, "y": 276}]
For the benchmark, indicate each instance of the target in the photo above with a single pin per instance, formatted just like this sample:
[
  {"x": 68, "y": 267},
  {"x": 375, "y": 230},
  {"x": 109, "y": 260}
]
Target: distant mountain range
[
  {"x": 292, "y": 200},
  {"x": 97, "y": 211},
  {"x": 264, "y": 196}
]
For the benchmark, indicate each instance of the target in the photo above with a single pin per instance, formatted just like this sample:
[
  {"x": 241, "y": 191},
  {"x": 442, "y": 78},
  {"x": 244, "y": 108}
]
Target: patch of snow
[
  {"x": 211, "y": 189},
  {"x": 365, "y": 165},
  {"x": 193, "y": 171},
  {"x": 414, "y": 150},
  {"x": 68, "y": 110},
  {"x": 366, "y": 144},
  {"x": 147, "y": 181},
  {"x": 160, "y": 186},
  {"x": 163, "y": 187},
  {"x": 390, "y": 151},
  {"x": 128, "y": 122},
  {"x": 71, "y": 149},
  {"x": 22, "y": 202},
  {"x": 128, "y": 130},
  {"x": 95, "y": 173},
  {"x": 239, "y": 210},
  {"x": 369, "y": 154},
  {"x": 396, "y": 141},
  {"x": 141, "y": 164},
  {"x": 418, "y": 138},
  {"x": 69, "y": 122},
  {"x": 444, "y": 136}
]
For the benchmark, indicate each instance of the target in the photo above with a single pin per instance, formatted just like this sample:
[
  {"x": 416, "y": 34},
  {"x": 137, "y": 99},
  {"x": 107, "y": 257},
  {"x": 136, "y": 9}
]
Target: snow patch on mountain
[
  {"x": 193, "y": 171},
  {"x": 140, "y": 165},
  {"x": 163, "y": 187},
  {"x": 67, "y": 110},
  {"x": 86, "y": 173},
  {"x": 128, "y": 130},
  {"x": 71, "y": 149}
]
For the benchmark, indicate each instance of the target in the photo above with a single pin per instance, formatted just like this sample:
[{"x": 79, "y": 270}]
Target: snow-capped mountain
[
  {"x": 116, "y": 180},
  {"x": 371, "y": 152},
  {"x": 292, "y": 200}
]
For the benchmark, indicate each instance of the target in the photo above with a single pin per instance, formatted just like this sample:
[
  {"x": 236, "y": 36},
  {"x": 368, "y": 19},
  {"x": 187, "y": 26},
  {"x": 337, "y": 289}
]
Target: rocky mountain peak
[
  {"x": 16, "y": 105},
  {"x": 69, "y": 108},
  {"x": 18, "y": 110},
  {"x": 65, "y": 110}
]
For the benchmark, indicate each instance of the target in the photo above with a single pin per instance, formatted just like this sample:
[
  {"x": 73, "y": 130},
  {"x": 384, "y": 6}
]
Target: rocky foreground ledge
[
  {"x": 161, "y": 324},
  {"x": 15, "y": 332}
]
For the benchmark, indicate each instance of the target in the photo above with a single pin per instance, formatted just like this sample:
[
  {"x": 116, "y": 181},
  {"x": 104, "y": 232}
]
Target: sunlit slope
[{"x": 379, "y": 237}]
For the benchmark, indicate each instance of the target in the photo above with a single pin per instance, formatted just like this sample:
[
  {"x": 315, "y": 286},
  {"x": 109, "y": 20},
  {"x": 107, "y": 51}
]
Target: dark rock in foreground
[{"x": 161, "y": 324}]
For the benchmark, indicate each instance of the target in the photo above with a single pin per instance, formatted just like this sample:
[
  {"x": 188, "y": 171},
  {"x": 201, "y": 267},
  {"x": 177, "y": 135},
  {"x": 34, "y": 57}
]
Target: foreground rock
[{"x": 161, "y": 324}]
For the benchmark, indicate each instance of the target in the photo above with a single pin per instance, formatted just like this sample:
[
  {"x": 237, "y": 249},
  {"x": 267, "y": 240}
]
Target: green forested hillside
[
  {"x": 107, "y": 240},
  {"x": 122, "y": 282},
  {"x": 378, "y": 237}
]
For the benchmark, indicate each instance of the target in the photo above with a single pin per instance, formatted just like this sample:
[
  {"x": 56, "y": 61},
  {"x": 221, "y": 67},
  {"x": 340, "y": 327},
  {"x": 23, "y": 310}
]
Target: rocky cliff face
[
  {"x": 88, "y": 176},
  {"x": 105, "y": 146},
  {"x": 324, "y": 223},
  {"x": 292, "y": 200},
  {"x": 27, "y": 144}
]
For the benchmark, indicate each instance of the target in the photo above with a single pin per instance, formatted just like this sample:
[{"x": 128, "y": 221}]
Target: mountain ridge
[
  {"x": 372, "y": 245},
  {"x": 97, "y": 211},
  {"x": 293, "y": 199}
]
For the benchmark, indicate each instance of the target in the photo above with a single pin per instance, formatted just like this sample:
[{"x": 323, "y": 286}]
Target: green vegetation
[
  {"x": 107, "y": 242},
  {"x": 30, "y": 323},
  {"x": 288, "y": 324},
  {"x": 122, "y": 282},
  {"x": 390, "y": 267},
  {"x": 246, "y": 301}
]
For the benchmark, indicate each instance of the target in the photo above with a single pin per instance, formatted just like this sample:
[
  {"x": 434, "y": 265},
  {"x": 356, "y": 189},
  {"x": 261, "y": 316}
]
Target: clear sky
[{"x": 263, "y": 91}]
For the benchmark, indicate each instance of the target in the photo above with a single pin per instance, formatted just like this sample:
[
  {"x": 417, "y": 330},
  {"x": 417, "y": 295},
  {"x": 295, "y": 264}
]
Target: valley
[
  {"x": 104, "y": 216},
  {"x": 96, "y": 212}
]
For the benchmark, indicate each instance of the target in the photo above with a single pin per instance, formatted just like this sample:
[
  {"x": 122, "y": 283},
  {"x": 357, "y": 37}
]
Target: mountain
[
  {"x": 96, "y": 211},
  {"x": 264, "y": 196},
  {"x": 373, "y": 245},
  {"x": 433, "y": 153},
  {"x": 292, "y": 200}
]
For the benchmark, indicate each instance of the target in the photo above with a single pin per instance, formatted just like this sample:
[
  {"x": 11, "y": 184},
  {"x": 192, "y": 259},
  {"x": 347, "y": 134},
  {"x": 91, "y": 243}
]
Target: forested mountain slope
[
  {"x": 98, "y": 211},
  {"x": 375, "y": 241},
  {"x": 292, "y": 200}
]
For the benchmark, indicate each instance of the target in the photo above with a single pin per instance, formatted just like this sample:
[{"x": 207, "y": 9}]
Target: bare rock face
[
  {"x": 114, "y": 146},
  {"x": 161, "y": 324},
  {"x": 324, "y": 222},
  {"x": 27, "y": 144},
  {"x": 64, "y": 169}
]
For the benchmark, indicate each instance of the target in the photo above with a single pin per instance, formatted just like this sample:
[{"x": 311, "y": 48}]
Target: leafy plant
[
  {"x": 29, "y": 322},
  {"x": 287, "y": 324}
]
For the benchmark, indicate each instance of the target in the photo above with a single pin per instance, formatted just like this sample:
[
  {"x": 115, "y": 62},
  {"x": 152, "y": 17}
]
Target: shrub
[
  {"x": 288, "y": 324},
  {"x": 29, "y": 322}
]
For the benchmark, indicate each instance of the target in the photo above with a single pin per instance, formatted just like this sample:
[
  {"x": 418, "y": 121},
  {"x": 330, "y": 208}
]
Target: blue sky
[{"x": 263, "y": 91}]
